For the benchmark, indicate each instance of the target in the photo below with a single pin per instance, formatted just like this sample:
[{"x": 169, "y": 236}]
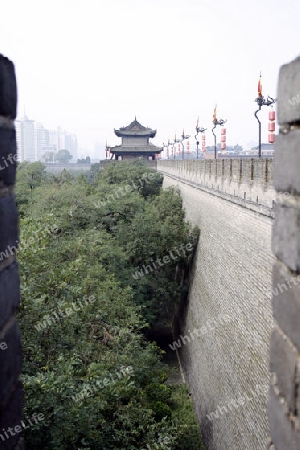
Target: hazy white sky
[{"x": 91, "y": 65}]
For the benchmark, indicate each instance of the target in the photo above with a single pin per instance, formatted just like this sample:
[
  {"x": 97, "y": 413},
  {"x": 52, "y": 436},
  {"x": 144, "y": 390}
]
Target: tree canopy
[
  {"x": 88, "y": 366},
  {"x": 63, "y": 156}
]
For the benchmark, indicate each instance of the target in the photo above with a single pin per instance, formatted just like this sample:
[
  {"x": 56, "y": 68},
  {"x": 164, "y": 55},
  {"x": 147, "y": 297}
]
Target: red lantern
[
  {"x": 272, "y": 115},
  {"x": 188, "y": 147},
  {"x": 178, "y": 152},
  {"x": 271, "y": 126},
  {"x": 271, "y": 138},
  {"x": 203, "y": 143},
  {"x": 223, "y": 138}
]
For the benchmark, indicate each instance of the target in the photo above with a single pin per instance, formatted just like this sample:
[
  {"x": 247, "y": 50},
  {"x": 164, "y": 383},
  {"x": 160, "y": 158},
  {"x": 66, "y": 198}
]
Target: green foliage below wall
[{"x": 87, "y": 364}]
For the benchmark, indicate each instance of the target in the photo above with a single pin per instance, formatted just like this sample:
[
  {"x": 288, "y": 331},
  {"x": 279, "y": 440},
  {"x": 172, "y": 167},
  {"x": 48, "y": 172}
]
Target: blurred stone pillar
[
  {"x": 10, "y": 343},
  {"x": 284, "y": 398}
]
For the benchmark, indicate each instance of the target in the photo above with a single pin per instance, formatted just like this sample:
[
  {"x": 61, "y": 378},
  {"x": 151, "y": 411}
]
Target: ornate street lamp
[
  {"x": 216, "y": 122},
  {"x": 183, "y": 137},
  {"x": 176, "y": 141},
  {"x": 166, "y": 146},
  {"x": 261, "y": 101},
  {"x": 170, "y": 143},
  {"x": 198, "y": 130}
]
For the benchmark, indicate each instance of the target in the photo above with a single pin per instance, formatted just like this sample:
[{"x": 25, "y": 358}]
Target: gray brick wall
[
  {"x": 10, "y": 343},
  {"x": 230, "y": 307},
  {"x": 284, "y": 396}
]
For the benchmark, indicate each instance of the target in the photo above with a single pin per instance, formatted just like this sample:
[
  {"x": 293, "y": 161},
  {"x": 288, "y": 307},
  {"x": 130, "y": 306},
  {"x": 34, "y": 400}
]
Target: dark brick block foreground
[
  {"x": 11, "y": 398},
  {"x": 10, "y": 417},
  {"x": 284, "y": 399},
  {"x": 9, "y": 292},
  {"x": 8, "y": 151},
  {"x": 282, "y": 427},
  {"x": 8, "y": 89},
  {"x": 8, "y": 226},
  {"x": 284, "y": 361},
  {"x": 286, "y": 304},
  {"x": 10, "y": 360}
]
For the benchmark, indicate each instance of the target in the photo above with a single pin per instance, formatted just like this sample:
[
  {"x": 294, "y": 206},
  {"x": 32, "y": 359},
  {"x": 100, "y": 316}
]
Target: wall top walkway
[{"x": 248, "y": 182}]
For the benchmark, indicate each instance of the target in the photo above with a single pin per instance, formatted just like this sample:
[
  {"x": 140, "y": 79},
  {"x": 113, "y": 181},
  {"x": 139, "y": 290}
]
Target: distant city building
[
  {"x": 53, "y": 140},
  {"x": 42, "y": 138},
  {"x": 135, "y": 142},
  {"x": 266, "y": 150},
  {"x": 35, "y": 142},
  {"x": 61, "y": 139},
  {"x": 71, "y": 145},
  {"x": 28, "y": 148}
]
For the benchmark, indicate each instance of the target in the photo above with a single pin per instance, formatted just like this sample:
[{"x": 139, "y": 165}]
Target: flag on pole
[
  {"x": 197, "y": 126},
  {"x": 259, "y": 93},
  {"x": 215, "y": 114}
]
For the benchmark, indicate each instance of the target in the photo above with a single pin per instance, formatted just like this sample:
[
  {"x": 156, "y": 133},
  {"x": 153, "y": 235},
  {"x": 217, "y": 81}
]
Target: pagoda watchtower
[{"x": 135, "y": 142}]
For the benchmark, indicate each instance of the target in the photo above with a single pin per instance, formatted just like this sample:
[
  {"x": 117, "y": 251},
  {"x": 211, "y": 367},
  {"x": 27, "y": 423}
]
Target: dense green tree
[
  {"x": 49, "y": 157},
  {"x": 63, "y": 156},
  {"x": 29, "y": 177},
  {"x": 83, "y": 314}
]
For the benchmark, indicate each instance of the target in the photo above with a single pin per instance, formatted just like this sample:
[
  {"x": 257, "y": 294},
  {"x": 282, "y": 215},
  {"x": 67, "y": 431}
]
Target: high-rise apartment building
[
  {"x": 71, "y": 145},
  {"x": 36, "y": 143},
  {"x": 28, "y": 140},
  {"x": 42, "y": 139}
]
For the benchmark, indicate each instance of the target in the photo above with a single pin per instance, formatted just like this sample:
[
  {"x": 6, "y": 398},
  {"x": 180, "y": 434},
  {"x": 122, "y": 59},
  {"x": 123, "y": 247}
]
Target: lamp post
[
  {"x": 168, "y": 149},
  {"x": 216, "y": 122},
  {"x": 172, "y": 147},
  {"x": 166, "y": 146},
  {"x": 183, "y": 137},
  {"x": 170, "y": 143},
  {"x": 198, "y": 130},
  {"x": 261, "y": 101},
  {"x": 176, "y": 141}
]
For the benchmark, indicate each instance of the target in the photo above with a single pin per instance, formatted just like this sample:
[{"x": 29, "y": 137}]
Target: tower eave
[{"x": 125, "y": 133}]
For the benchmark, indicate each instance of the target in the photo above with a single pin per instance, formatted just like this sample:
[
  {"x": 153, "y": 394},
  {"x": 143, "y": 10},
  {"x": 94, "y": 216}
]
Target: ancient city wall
[
  {"x": 227, "y": 364},
  {"x": 10, "y": 346},
  {"x": 244, "y": 181},
  {"x": 228, "y": 330},
  {"x": 225, "y": 353}
]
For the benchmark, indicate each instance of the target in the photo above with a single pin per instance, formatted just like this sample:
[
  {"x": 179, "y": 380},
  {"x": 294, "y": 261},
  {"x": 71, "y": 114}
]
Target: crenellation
[{"x": 248, "y": 179}]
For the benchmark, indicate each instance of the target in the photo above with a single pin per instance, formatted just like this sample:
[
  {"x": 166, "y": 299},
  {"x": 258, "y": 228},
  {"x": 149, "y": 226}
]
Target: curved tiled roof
[{"x": 135, "y": 129}]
